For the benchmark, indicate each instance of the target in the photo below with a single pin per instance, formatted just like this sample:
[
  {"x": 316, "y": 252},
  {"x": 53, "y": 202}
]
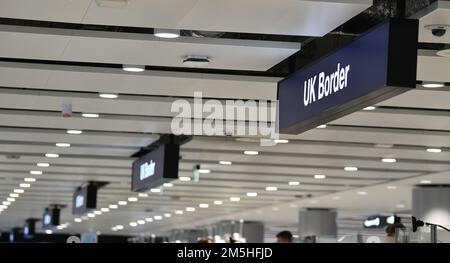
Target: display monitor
[
  {"x": 156, "y": 167},
  {"x": 84, "y": 199}
]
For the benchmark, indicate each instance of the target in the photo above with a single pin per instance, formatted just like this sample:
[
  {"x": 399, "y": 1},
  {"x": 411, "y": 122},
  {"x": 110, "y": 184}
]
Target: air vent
[
  {"x": 13, "y": 156},
  {"x": 196, "y": 61}
]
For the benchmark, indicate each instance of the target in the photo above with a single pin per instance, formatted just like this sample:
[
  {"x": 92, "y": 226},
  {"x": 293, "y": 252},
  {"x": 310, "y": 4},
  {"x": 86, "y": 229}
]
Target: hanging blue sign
[{"x": 376, "y": 66}]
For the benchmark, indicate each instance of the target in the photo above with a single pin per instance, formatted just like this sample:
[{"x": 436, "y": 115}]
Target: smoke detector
[
  {"x": 196, "y": 61},
  {"x": 112, "y": 3}
]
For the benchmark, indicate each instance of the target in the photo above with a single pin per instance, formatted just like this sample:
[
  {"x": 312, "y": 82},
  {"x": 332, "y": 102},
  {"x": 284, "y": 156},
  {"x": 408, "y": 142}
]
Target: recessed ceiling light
[
  {"x": 119, "y": 227},
  {"x": 108, "y": 96},
  {"x": 142, "y": 195},
  {"x": 36, "y": 172},
  {"x": 85, "y": 218},
  {"x": 225, "y": 162},
  {"x": 166, "y": 33},
  {"x": 370, "y": 108},
  {"x": 105, "y": 210},
  {"x": 190, "y": 209},
  {"x": 133, "y": 68},
  {"x": 14, "y": 195},
  {"x": 133, "y": 224},
  {"x": 281, "y": 141},
  {"x": 113, "y": 206},
  {"x": 218, "y": 202},
  {"x": 389, "y": 160},
  {"x": 271, "y": 188},
  {"x": 19, "y": 191},
  {"x": 252, "y": 194},
  {"x": 112, "y": 3},
  {"x": 320, "y": 176},
  {"x": 63, "y": 144},
  {"x": 184, "y": 178},
  {"x": 78, "y": 220},
  {"x": 391, "y": 187},
  {"x": 10, "y": 199},
  {"x": 336, "y": 198},
  {"x": 444, "y": 53},
  {"x": 48, "y": 232},
  {"x": 235, "y": 199},
  {"x": 350, "y": 169},
  {"x": 114, "y": 229},
  {"x": 25, "y": 185},
  {"x": 294, "y": 183},
  {"x": 203, "y": 205},
  {"x": 196, "y": 61},
  {"x": 29, "y": 180},
  {"x": 179, "y": 212},
  {"x": 432, "y": 84},
  {"x": 149, "y": 219},
  {"x": 293, "y": 205},
  {"x": 168, "y": 215},
  {"x": 141, "y": 222},
  {"x": 313, "y": 202},
  {"x": 168, "y": 185},
  {"x": 434, "y": 150},
  {"x": 383, "y": 145},
  {"x": 132, "y": 199},
  {"x": 74, "y": 132},
  {"x": 91, "y": 215},
  {"x": 97, "y": 212},
  {"x": 204, "y": 171},
  {"x": 158, "y": 217},
  {"x": 400, "y": 206},
  {"x": 155, "y": 190},
  {"x": 323, "y": 126},
  {"x": 51, "y": 155},
  {"x": 425, "y": 182},
  {"x": 251, "y": 152},
  {"x": 122, "y": 202},
  {"x": 43, "y": 164},
  {"x": 90, "y": 115},
  {"x": 6, "y": 203},
  {"x": 362, "y": 193}
]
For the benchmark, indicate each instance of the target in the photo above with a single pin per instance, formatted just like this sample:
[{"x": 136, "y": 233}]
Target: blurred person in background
[{"x": 284, "y": 237}]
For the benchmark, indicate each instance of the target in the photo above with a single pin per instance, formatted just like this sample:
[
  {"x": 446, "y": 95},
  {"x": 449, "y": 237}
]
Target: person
[
  {"x": 205, "y": 240},
  {"x": 284, "y": 237},
  {"x": 390, "y": 232},
  {"x": 390, "y": 229}
]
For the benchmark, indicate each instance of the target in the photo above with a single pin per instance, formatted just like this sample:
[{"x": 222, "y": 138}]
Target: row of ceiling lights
[
  {"x": 46, "y": 165},
  {"x": 15, "y": 194},
  {"x": 202, "y": 205},
  {"x": 132, "y": 199}
]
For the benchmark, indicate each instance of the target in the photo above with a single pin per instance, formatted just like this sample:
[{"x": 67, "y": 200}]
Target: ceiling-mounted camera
[{"x": 438, "y": 30}]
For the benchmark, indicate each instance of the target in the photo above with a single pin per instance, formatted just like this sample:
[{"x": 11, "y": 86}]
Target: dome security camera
[{"x": 438, "y": 30}]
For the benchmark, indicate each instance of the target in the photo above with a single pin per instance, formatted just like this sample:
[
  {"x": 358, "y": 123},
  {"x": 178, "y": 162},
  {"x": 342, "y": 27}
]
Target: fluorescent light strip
[{"x": 74, "y": 132}]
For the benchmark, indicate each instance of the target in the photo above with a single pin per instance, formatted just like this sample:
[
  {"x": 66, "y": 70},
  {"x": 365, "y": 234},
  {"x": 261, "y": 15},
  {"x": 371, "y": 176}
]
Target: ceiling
[
  {"x": 293, "y": 17},
  {"x": 45, "y": 66}
]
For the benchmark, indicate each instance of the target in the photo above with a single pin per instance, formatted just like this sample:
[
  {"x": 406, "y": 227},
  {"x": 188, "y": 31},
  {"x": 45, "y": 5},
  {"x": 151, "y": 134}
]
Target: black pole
[{"x": 401, "y": 9}]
